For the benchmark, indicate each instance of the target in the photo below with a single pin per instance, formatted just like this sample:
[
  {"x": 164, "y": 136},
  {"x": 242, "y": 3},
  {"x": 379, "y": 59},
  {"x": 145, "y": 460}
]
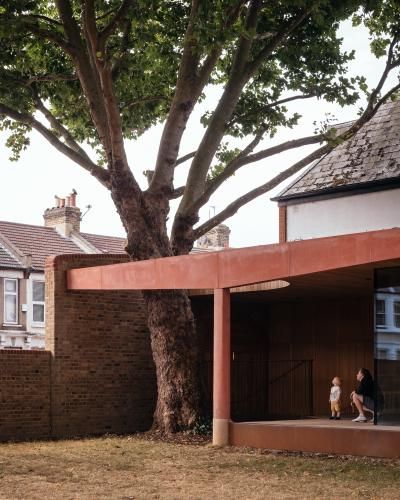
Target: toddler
[{"x": 334, "y": 398}]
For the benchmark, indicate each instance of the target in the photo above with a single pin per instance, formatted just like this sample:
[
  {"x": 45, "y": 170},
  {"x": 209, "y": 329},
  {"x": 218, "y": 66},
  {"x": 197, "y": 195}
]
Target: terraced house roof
[
  {"x": 371, "y": 157},
  {"x": 7, "y": 260},
  {"x": 19, "y": 240},
  {"x": 106, "y": 244}
]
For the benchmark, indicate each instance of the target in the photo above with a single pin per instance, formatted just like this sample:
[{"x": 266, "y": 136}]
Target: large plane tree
[{"x": 89, "y": 75}]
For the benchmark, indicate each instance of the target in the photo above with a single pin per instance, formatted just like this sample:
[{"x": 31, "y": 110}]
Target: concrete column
[{"x": 222, "y": 367}]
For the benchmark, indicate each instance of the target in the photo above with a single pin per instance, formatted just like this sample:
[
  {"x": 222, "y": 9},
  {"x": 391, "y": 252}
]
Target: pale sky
[{"x": 28, "y": 187}]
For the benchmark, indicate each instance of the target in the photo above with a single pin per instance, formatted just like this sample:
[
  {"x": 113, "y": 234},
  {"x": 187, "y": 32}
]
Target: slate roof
[
  {"x": 106, "y": 244},
  {"x": 371, "y": 157},
  {"x": 38, "y": 241}
]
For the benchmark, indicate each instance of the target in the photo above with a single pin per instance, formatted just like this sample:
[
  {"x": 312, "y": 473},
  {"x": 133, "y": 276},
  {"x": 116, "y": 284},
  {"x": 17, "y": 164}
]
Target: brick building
[{"x": 23, "y": 250}]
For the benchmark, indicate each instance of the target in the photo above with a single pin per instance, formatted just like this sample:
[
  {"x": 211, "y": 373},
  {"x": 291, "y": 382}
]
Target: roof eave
[{"x": 338, "y": 191}]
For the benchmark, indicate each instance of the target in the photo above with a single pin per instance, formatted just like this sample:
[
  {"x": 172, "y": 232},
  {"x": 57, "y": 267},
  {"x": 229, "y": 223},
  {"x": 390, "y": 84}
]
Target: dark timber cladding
[
  {"x": 279, "y": 348},
  {"x": 371, "y": 158}
]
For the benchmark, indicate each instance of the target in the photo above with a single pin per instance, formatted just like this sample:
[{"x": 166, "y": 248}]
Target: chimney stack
[
  {"x": 217, "y": 238},
  {"x": 65, "y": 216}
]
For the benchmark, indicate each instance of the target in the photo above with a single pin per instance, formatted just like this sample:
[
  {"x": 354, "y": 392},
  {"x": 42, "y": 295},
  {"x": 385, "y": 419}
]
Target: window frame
[
  {"x": 396, "y": 314},
  {"x": 383, "y": 313},
  {"x": 382, "y": 353},
  {"x": 36, "y": 302},
  {"x": 12, "y": 294}
]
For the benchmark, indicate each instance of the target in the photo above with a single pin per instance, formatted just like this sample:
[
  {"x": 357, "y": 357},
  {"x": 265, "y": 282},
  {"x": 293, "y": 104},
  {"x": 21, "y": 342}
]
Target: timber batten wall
[{"x": 334, "y": 335}]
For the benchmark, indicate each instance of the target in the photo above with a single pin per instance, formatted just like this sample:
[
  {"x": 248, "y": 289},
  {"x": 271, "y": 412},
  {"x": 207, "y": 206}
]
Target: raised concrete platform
[{"x": 342, "y": 437}]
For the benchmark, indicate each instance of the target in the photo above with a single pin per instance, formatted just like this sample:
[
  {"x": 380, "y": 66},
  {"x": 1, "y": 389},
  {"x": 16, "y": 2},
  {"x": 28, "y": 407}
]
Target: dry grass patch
[{"x": 133, "y": 467}]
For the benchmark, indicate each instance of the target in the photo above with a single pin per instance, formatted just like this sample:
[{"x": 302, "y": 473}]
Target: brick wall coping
[
  {"x": 24, "y": 352},
  {"x": 53, "y": 261}
]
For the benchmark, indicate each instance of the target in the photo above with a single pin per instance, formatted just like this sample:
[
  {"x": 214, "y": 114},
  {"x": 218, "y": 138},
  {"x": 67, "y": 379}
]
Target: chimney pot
[
  {"x": 65, "y": 216},
  {"x": 72, "y": 198}
]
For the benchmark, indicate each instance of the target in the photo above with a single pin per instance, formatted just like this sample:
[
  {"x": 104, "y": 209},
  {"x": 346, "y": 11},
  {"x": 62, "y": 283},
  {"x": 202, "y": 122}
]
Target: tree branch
[
  {"x": 101, "y": 174},
  {"x": 223, "y": 112},
  {"x": 108, "y": 30},
  {"x": 106, "y": 14},
  {"x": 244, "y": 158},
  {"x": 177, "y": 193},
  {"x": 232, "y": 15},
  {"x": 184, "y": 158},
  {"x": 30, "y": 22},
  {"x": 143, "y": 100},
  {"x": 123, "y": 50},
  {"x": 374, "y": 102},
  {"x": 57, "y": 126},
  {"x": 272, "y": 105},
  {"x": 217, "y": 127},
  {"x": 101, "y": 66},
  {"x": 45, "y": 18},
  {"x": 90, "y": 31},
  {"x": 276, "y": 41},
  {"x": 390, "y": 65},
  {"x": 68, "y": 21},
  {"x": 87, "y": 74},
  {"x": 50, "y": 78},
  {"x": 191, "y": 81},
  {"x": 186, "y": 94},
  {"x": 233, "y": 207}
]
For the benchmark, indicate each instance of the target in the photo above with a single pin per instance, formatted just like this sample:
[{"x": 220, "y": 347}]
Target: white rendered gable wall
[{"x": 344, "y": 215}]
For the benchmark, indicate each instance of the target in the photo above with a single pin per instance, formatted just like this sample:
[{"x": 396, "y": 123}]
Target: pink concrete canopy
[{"x": 243, "y": 266}]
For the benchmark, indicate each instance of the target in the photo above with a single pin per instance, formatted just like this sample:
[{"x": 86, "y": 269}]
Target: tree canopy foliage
[{"x": 263, "y": 54}]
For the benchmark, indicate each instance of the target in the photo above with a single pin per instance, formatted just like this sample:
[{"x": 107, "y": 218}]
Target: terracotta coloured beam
[
  {"x": 221, "y": 367},
  {"x": 243, "y": 266}
]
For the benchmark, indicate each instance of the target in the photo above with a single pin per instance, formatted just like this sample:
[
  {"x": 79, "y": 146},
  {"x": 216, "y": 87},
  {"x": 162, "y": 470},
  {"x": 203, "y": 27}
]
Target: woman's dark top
[{"x": 366, "y": 387}]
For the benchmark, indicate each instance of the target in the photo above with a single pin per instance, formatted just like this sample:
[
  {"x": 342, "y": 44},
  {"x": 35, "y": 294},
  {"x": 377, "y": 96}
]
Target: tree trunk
[
  {"x": 175, "y": 350},
  {"x": 174, "y": 341}
]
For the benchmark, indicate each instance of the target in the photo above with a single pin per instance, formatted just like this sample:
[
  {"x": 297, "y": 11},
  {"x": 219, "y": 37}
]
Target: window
[
  {"x": 382, "y": 354},
  {"x": 396, "y": 313},
  {"x": 10, "y": 300},
  {"x": 38, "y": 301},
  {"x": 380, "y": 312}
]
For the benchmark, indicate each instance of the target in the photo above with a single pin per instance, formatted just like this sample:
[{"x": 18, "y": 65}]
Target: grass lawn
[{"x": 133, "y": 467}]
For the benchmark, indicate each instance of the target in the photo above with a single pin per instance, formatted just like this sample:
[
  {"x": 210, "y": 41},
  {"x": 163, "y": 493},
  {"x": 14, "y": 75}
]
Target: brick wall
[
  {"x": 24, "y": 395},
  {"x": 282, "y": 224},
  {"x": 103, "y": 377}
]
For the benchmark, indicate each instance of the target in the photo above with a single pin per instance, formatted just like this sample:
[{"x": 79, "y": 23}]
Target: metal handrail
[{"x": 300, "y": 363}]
